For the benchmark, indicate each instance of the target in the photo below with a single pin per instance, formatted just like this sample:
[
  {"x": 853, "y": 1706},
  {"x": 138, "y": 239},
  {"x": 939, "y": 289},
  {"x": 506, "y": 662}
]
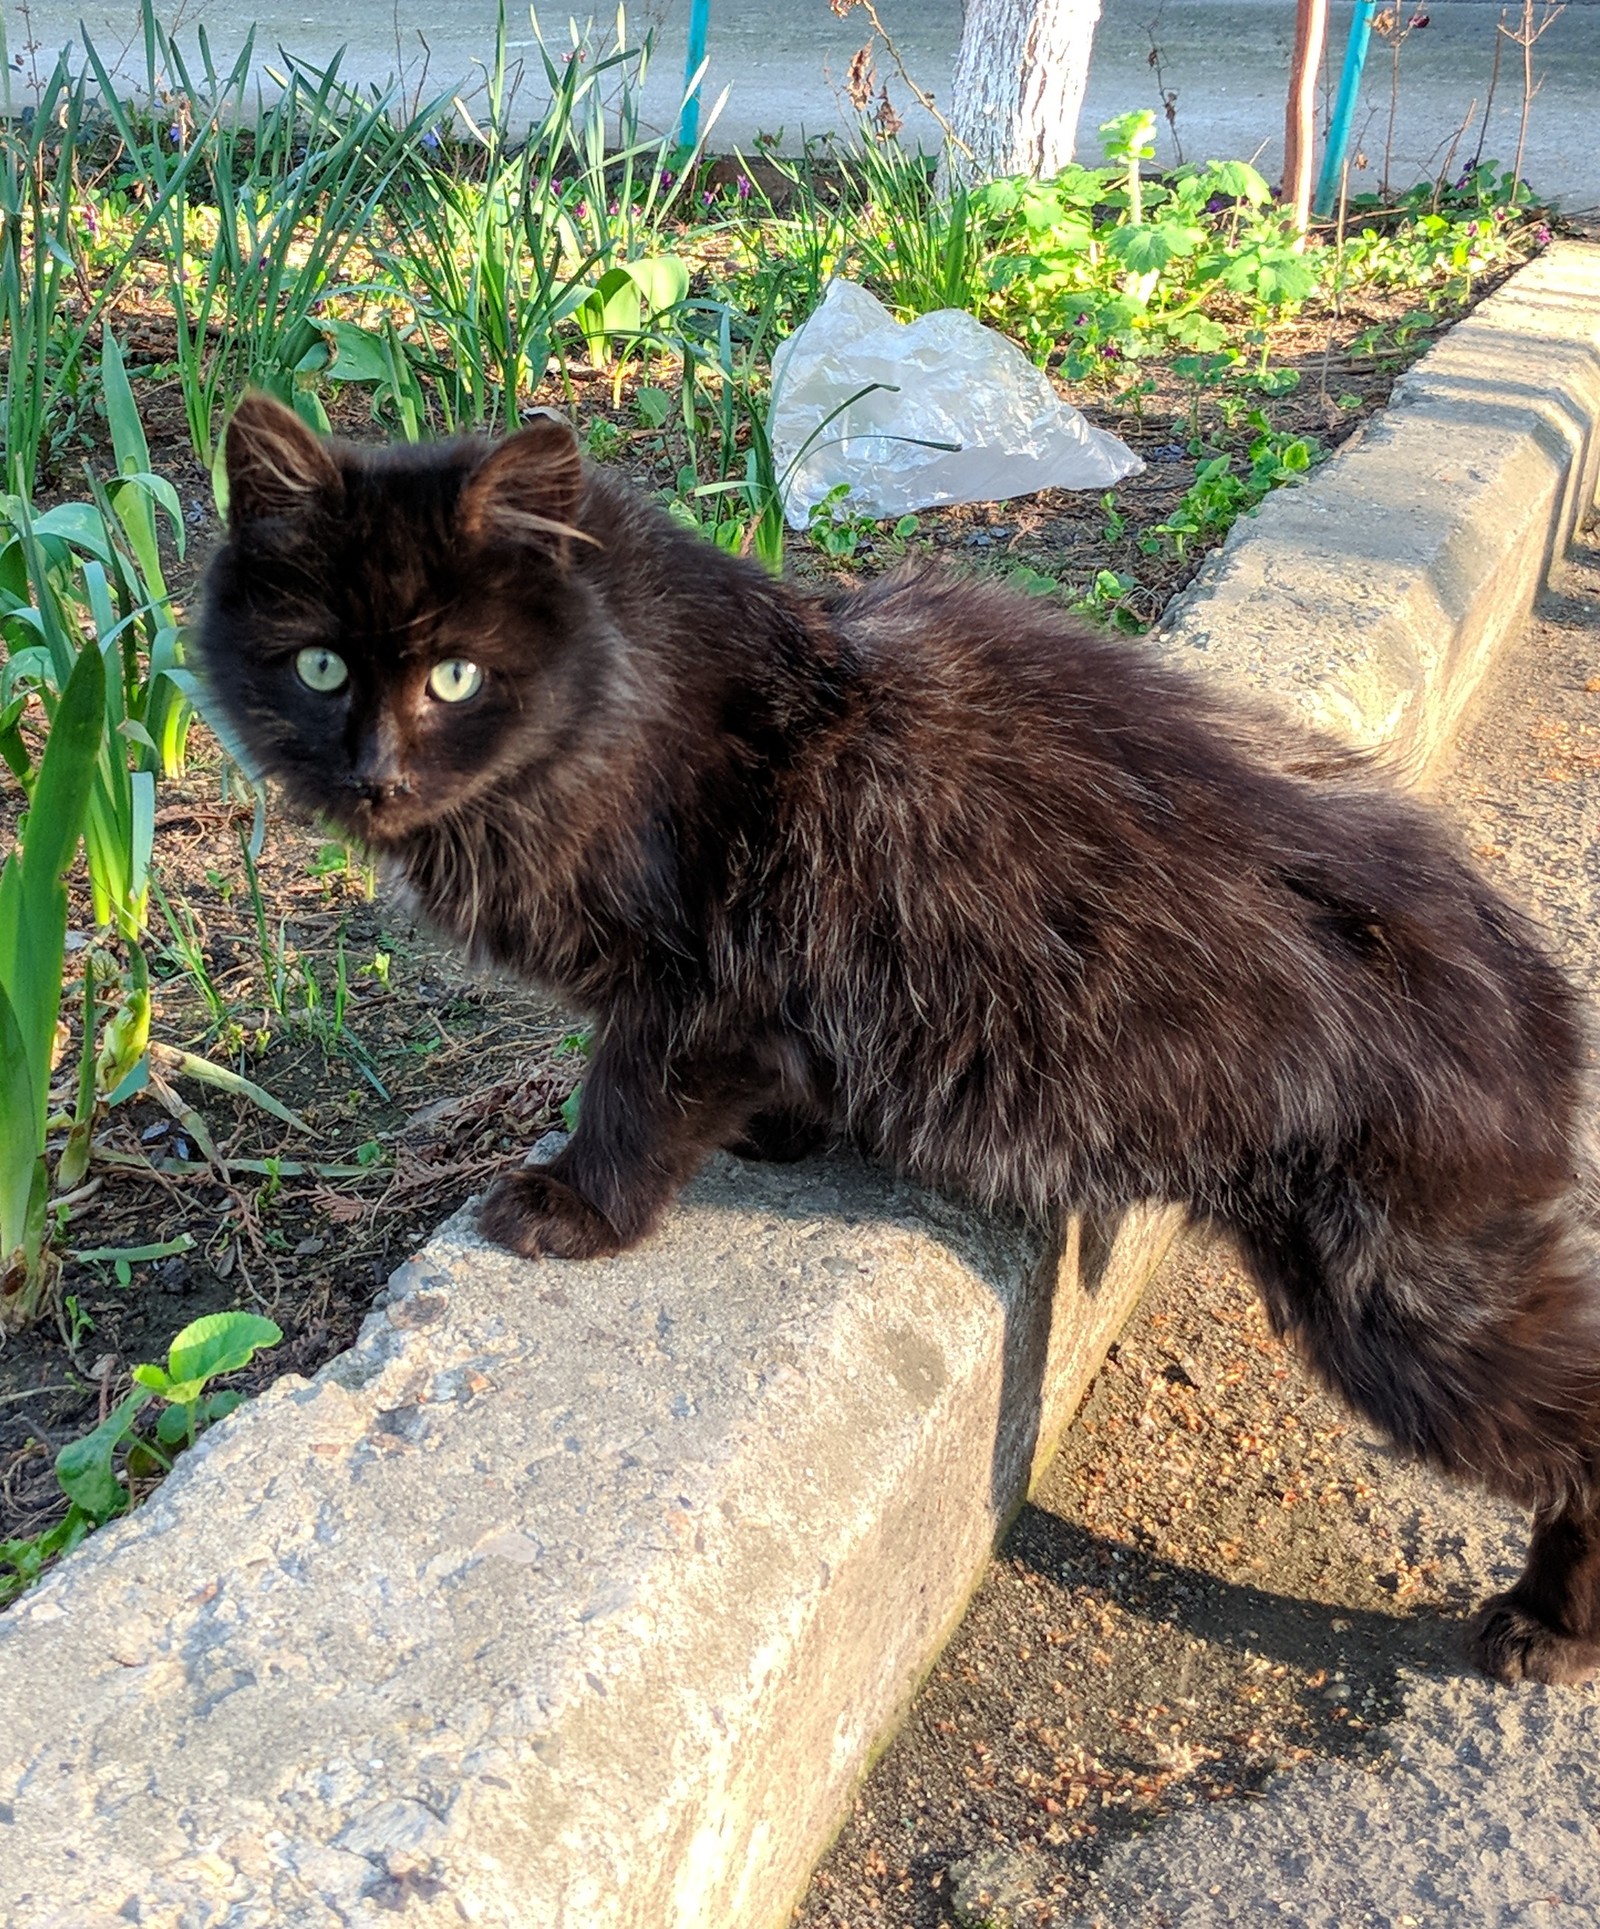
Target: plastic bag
[{"x": 943, "y": 379}]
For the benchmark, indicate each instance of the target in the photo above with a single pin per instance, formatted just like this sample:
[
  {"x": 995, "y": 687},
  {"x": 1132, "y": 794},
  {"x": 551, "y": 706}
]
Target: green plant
[
  {"x": 1032, "y": 582},
  {"x": 627, "y": 305},
  {"x": 1219, "y": 494},
  {"x": 839, "y": 532},
  {"x": 217, "y": 1344},
  {"x": 52, "y": 235},
  {"x": 1109, "y": 598},
  {"x": 88, "y": 575},
  {"x": 618, "y": 186},
  {"x": 1128, "y": 142},
  {"x": 86, "y": 1469},
  {"x": 741, "y": 505},
  {"x": 486, "y": 261},
  {"x": 33, "y": 924},
  {"x": 1116, "y": 525},
  {"x": 920, "y": 249},
  {"x": 602, "y": 439},
  {"x": 290, "y": 183},
  {"x": 654, "y": 407},
  {"x": 38, "y": 259}
]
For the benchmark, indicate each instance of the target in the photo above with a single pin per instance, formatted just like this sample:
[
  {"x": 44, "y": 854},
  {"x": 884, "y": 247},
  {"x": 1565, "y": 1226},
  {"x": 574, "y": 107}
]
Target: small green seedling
[
  {"x": 838, "y": 531},
  {"x": 1033, "y": 582},
  {"x": 218, "y": 1343},
  {"x": 578, "y": 1044},
  {"x": 602, "y": 439}
]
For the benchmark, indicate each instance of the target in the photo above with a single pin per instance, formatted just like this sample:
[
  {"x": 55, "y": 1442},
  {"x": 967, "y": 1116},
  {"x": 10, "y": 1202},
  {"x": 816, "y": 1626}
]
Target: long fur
[{"x": 1016, "y": 906}]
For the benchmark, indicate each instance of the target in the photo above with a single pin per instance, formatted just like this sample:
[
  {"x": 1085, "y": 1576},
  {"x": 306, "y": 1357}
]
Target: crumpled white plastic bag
[{"x": 944, "y": 378}]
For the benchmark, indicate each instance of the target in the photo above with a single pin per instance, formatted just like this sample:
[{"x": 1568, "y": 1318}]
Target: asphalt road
[{"x": 1227, "y": 60}]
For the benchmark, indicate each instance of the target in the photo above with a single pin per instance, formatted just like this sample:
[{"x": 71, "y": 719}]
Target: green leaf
[
  {"x": 61, "y": 795},
  {"x": 654, "y": 407},
  {"x": 663, "y": 280},
  {"x": 83, "y": 1467},
  {"x": 19, "y": 1141},
  {"x": 122, "y": 415},
  {"x": 78, "y": 523},
  {"x": 1130, "y": 136},
  {"x": 219, "y": 1343},
  {"x": 1238, "y": 180},
  {"x": 172, "y": 1428},
  {"x": 187, "y": 1065},
  {"x": 356, "y": 354},
  {"x": 157, "y": 1249},
  {"x": 33, "y": 900},
  {"x": 1149, "y": 247}
]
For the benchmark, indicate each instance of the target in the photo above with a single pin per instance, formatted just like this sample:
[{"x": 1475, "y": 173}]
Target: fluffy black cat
[{"x": 1018, "y": 907}]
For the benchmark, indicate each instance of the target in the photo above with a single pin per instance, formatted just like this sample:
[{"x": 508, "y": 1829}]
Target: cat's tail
[{"x": 1473, "y": 1344}]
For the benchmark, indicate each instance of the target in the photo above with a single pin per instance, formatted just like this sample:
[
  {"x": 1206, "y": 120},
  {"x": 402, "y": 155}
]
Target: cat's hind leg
[
  {"x": 1471, "y": 1337},
  {"x": 1547, "y": 1627}
]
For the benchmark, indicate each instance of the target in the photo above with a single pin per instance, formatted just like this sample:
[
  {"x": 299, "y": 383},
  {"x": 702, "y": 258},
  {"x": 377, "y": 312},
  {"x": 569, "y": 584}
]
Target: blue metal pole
[
  {"x": 689, "y": 119},
  {"x": 1344, "y": 111}
]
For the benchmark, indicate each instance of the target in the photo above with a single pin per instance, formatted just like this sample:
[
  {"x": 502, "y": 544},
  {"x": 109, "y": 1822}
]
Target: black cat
[{"x": 1018, "y": 907}]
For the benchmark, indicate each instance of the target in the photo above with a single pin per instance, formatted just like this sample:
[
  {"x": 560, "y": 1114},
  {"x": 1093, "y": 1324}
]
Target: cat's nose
[
  {"x": 377, "y": 772},
  {"x": 378, "y": 790}
]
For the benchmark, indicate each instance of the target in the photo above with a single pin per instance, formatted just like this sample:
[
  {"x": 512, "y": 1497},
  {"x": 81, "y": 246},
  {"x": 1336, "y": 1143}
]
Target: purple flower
[
  {"x": 1541, "y": 234},
  {"x": 1216, "y": 204},
  {"x": 667, "y": 179},
  {"x": 430, "y": 141},
  {"x": 743, "y": 185},
  {"x": 582, "y": 210},
  {"x": 175, "y": 134},
  {"x": 707, "y": 198}
]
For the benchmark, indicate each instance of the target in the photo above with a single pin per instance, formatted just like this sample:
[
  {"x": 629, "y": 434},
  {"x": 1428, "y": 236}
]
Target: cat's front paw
[
  {"x": 1512, "y": 1645},
  {"x": 533, "y": 1213}
]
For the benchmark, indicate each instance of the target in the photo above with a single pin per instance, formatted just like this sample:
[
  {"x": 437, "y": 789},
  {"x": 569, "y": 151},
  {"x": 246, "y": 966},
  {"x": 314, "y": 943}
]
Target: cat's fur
[{"x": 1018, "y": 907}]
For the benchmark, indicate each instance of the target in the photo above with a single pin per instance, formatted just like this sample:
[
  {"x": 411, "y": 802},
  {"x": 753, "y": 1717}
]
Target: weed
[
  {"x": 840, "y": 533},
  {"x": 206, "y": 1349}
]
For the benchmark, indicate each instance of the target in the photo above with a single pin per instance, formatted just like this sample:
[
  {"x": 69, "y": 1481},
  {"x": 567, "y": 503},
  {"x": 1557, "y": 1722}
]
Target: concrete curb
[
  {"x": 581, "y": 1595},
  {"x": 1375, "y": 598}
]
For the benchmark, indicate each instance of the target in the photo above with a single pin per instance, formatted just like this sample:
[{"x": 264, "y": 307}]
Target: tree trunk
[{"x": 1019, "y": 81}]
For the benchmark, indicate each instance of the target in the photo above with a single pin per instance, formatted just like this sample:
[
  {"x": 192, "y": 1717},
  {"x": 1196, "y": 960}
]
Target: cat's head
[{"x": 391, "y": 631}]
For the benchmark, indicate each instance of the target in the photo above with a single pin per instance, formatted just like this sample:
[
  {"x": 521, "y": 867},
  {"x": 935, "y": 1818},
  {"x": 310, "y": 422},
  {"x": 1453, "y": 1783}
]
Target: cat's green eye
[
  {"x": 322, "y": 671},
  {"x": 456, "y": 680}
]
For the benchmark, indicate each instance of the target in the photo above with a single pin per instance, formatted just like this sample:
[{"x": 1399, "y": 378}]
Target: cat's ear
[
  {"x": 527, "y": 490},
  {"x": 276, "y": 466}
]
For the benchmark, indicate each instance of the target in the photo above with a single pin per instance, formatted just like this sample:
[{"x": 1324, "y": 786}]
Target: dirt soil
[
  {"x": 1223, "y": 1575},
  {"x": 438, "y": 1079}
]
